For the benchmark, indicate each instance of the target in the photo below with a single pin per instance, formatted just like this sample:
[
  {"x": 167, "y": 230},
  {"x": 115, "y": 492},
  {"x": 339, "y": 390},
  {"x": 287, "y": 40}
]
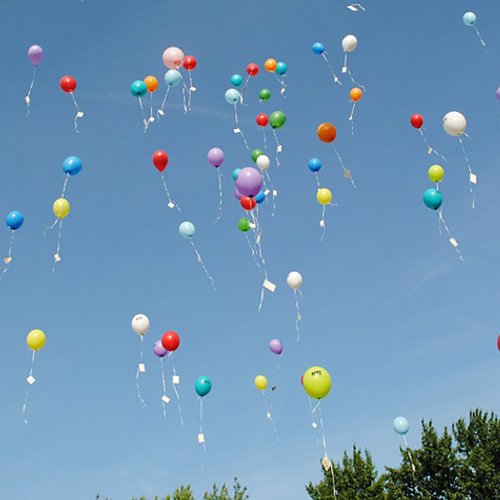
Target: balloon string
[
  {"x": 268, "y": 175},
  {"x": 78, "y": 115},
  {"x": 144, "y": 121},
  {"x": 57, "y": 258},
  {"x": 413, "y": 469},
  {"x": 27, "y": 98},
  {"x": 237, "y": 129},
  {"x": 470, "y": 173},
  {"x": 8, "y": 259},
  {"x": 219, "y": 178},
  {"x": 269, "y": 416},
  {"x": 345, "y": 69},
  {"x": 164, "y": 386},
  {"x": 351, "y": 118},
  {"x": 185, "y": 92},
  {"x": 244, "y": 87},
  {"x": 26, "y": 395},
  {"x": 452, "y": 240},
  {"x": 278, "y": 149},
  {"x": 258, "y": 235},
  {"x": 252, "y": 249},
  {"x": 317, "y": 179},
  {"x": 483, "y": 43},
  {"x": 151, "y": 118},
  {"x": 313, "y": 422},
  {"x": 201, "y": 424},
  {"x": 282, "y": 83},
  {"x": 200, "y": 260},
  {"x": 354, "y": 81},
  {"x": 326, "y": 451},
  {"x": 184, "y": 100},
  {"x": 298, "y": 316},
  {"x": 264, "y": 137},
  {"x": 322, "y": 223},
  {"x": 429, "y": 149},
  {"x": 137, "y": 383},
  {"x": 171, "y": 355},
  {"x": 347, "y": 173},
  {"x": 335, "y": 78},
  {"x": 355, "y": 7},
  {"x": 65, "y": 185},
  {"x": 171, "y": 203},
  {"x": 160, "y": 111}
]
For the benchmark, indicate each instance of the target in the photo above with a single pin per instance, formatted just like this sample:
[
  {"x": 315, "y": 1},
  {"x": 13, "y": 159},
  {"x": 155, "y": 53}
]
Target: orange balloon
[
  {"x": 356, "y": 94},
  {"x": 151, "y": 83},
  {"x": 327, "y": 132},
  {"x": 270, "y": 65}
]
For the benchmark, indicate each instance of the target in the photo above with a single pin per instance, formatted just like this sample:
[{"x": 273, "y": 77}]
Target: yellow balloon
[
  {"x": 36, "y": 339},
  {"x": 61, "y": 208},
  {"x": 317, "y": 382},
  {"x": 324, "y": 196},
  {"x": 436, "y": 173},
  {"x": 260, "y": 382}
]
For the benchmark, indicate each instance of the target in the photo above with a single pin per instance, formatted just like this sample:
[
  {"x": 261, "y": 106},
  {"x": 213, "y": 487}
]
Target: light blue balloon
[
  {"x": 232, "y": 96},
  {"x": 172, "y": 78},
  {"x": 235, "y": 173},
  {"x": 236, "y": 80},
  {"x": 401, "y": 425},
  {"x": 314, "y": 164},
  {"x": 14, "y": 220},
  {"x": 138, "y": 88},
  {"x": 281, "y": 68},
  {"x": 469, "y": 19},
  {"x": 433, "y": 199},
  {"x": 203, "y": 386},
  {"x": 318, "y": 48},
  {"x": 72, "y": 165},
  {"x": 260, "y": 197},
  {"x": 187, "y": 230}
]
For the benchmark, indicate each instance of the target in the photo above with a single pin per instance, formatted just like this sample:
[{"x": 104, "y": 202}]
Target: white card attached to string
[
  {"x": 321, "y": 223},
  {"x": 171, "y": 205},
  {"x": 347, "y": 174},
  {"x": 193, "y": 89},
  {"x": 142, "y": 367},
  {"x": 7, "y": 260},
  {"x": 314, "y": 425},
  {"x": 57, "y": 258},
  {"x": 30, "y": 380},
  {"x": 299, "y": 317},
  {"x": 201, "y": 438},
  {"x": 344, "y": 69},
  {"x": 279, "y": 149},
  {"x": 473, "y": 178},
  {"x": 145, "y": 123},
  {"x": 237, "y": 131},
  {"x": 454, "y": 242},
  {"x": 268, "y": 415},
  {"x": 326, "y": 462},
  {"x": 275, "y": 193},
  {"x": 151, "y": 119},
  {"x": 252, "y": 225},
  {"x": 176, "y": 380},
  {"x": 165, "y": 399},
  {"x": 27, "y": 99},
  {"x": 80, "y": 114},
  {"x": 160, "y": 112},
  {"x": 269, "y": 286},
  {"x": 266, "y": 192}
]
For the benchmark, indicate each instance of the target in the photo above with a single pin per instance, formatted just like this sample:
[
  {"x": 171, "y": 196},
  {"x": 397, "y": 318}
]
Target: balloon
[
  {"x": 173, "y": 58},
  {"x": 260, "y": 382},
  {"x": 294, "y": 280},
  {"x": 263, "y": 162},
  {"x": 349, "y": 43},
  {"x": 270, "y": 65},
  {"x": 244, "y": 225},
  {"x": 281, "y": 68},
  {"x": 14, "y": 220},
  {"x": 252, "y": 69},
  {"x": 72, "y": 165},
  {"x": 235, "y": 174},
  {"x": 318, "y": 48},
  {"x": 469, "y": 19},
  {"x": 277, "y": 119},
  {"x": 187, "y": 230},
  {"x": 236, "y": 80},
  {"x": 265, "y": 94},
  {"x": 314, "y": 164},
  {"x": 35, "y": 54},
  {"x": 256, "y": 153},
  {"x": 215, "y": 157},
  {"x": 36, "y": 339},
  {"x": 203, "y": 386},
  {"x": 249, "y": 181},
  {"x": 138, "y": 88},
  {"x": 170, "y": 341},
  {"x": 401, "y": 425},
  {"x": 190, "y": 63},
  {"x": 497, "y": 93},
  {"x": 140, "y": 324},
  {"x": 433, "y": 199},
  {"x": 260, "y": 197},
  {"x": 276, "y": 346},
  {"x": 436, "y": 173},
  {"x": 247, "y": 203},
  {"x": 160, "y": 160},
  {"x": 302, "y": 379},
  {"x": 68, "y": 84},
  {"x": 327, "y": 132},
  {"x": 324, "y": 196},
  {"x": 317, "y": 382},
  {"x": 262, "y": 120},
  {"x": 237, "y": 194},
  {"x": 454, "y": 123},
  {"x": 61, "y": 208},
  {"x": 356, "y": 94},
  {"x": 172, "y": 78},
  {"x": 232, "y": 96},
  {"x": 159, "y": 350},
  {"x": 151, "y": 83},
  {"x": 417, "y": 120},
  {"x": 498, "y": 342}
]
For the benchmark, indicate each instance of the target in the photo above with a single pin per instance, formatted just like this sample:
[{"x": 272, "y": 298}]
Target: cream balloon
[
  {"x": 173, "y": 58},
  {"x": 140, "y": 324},
  {"x": 349, "y": 43},
  {"x": 263, "y": 162},
  {"x": 294, "y": 280},
  {"x": 454, "y": 123}
]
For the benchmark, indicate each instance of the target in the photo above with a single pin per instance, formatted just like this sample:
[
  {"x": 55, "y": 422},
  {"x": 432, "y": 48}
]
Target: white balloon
[
  {"x": 454, "y": 123},
  {"x": 263, "y": 162},
  {"x": 140, "y": 324},
  {"x": 294, "y": 280},
  {"x": 349, "y": 43}
]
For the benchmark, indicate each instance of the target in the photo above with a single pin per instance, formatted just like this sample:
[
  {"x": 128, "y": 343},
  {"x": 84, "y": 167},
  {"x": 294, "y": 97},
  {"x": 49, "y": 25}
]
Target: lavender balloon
[
  {"x": 159, "y": 350},
  {"x": 497, "y": 93},
  {"x": 249, "y": 181},
  {"x": 35, "y": 53},
  {"x": 276, "y": 346},
  {"x": 216, "y": 157},
  {"x": 237, "y": 194}
]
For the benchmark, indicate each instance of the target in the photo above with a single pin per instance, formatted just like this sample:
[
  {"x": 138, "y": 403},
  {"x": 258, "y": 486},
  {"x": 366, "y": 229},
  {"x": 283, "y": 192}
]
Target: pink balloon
[
  {"x": 173, "y": 58},
  {"x": 35, "y": 53}
]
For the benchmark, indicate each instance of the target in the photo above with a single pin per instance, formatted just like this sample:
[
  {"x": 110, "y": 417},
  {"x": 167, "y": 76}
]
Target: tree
[{"x": 223, "y": 494}]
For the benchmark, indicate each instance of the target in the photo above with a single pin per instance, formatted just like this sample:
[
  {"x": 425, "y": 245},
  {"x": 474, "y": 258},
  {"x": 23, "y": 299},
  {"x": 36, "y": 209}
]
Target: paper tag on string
[
  {"x": 170, "y": 205},
  {"x": 351, "y": 7},
  {"x": 321, "y": 223},
  {"x": 282, "y": 91},
  {"x": 165, "y": 399},
  {"x": 326, "y": 462},
  {"x": 473, "y": 178},
  {"x": 275, "y": 193},
  {"x": 314, "y": 425},
  {"x": 151, "y": 119},
  {"x": 145, "y": 122},
  {"x": 269, "y": 286},
  {"x": 237, "y": 131},
  {"x": 201, "y": 438},
  {"x": 252, "y": 225},
  {"x": 30, "y": 380},
  {"x": 454, "y": 242},
  {"x": 279, "y": 149},
  {"x": 257, "y": 240},
  {"x": 27, "y": 99},
  {"x": 176, "y": 380},
  {"x": 193, "y": 89},
  {"x": 142, "y": 367},
  {"x": 344, "y": 69},
  {"x": 266, "y": 192},
  {"x": 56, "y": 257},
  {"x": 80, "y": 114},
  {"x": 347, "y": 174},
  {"x": 268, "y": 415},
  {"x": 160, "y": 112},
  {"x": 430, "y": 150},
  {"x": 7, "y": 260},
  {"x": 299, "y": 317}
]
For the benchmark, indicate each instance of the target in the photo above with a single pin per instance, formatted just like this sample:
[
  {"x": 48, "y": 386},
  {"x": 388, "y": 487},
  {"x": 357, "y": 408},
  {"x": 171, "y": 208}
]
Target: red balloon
[
  {"x": 252, "y": 69},
  {"x": 190, "y": 63},
  {"x": 160, "y": 160},
  {"x": 68, "y": 84},
  {"x": 498, "y": 343},
  {"x": 302, "y": 380},
  {"x": 170, "y": 341},
  {"x": 417, "y": 121},
  {"x": 248, "y": 203},
  {"x": 262, "y": 120}
]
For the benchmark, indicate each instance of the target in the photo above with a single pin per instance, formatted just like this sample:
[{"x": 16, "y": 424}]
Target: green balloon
[
  {"x": 277, "y": 119},
  {"x": 244, "y": 225},
  {"x": 265, "y": 94},
  {"x": 256, "y": 153}
]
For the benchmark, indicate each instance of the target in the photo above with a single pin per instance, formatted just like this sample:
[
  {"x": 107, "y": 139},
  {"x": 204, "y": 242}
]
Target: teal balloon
[
  {"x": 203, "y": 386},
  {"x": 236, "y": 80},
  {"x": 469, "y": 19},
  {"x": 433, "y": 199},
  {"x": 401, "y": 425},
  {"x": 172, "y": 78},
  {"x": 235, "y": 173},
  {"x": 232, "y": 96},
  {"x": 187, "y": 230},
  {"x": 281, "y": 68},
  {"x": 138, "y": 88}
]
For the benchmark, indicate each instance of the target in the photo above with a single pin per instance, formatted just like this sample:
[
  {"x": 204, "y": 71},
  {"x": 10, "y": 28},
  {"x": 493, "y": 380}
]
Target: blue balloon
[
  {"x": 401, "y": 425},
  {"x": 232, "y": 96},
  {"x": 260, "y": 197},
  {"x": 14, "y": 220},
  {"x": 433, "y": 199},
  {"x": 138, "y": 88},
  {"x": 314, "y": 164},
  {"x": 172, "y": 78},
  {"x": 203, "y": 386},
  {"x": 236, "y": 80},
  {"x": 72, "y": 165},
  {"x": 469, "y": 19},
  {"x": 235, "y": 173},
  {"x": 187, "y": 230},
  {"x": 318, "y": 48},
  {"x": 281, "y": 68}
]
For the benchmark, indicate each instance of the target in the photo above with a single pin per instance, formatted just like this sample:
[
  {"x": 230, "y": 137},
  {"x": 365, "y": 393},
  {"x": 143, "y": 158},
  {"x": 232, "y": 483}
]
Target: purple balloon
[
  {"x": 276, "y": 346},
  {"x": 159, "y": 350},
  {"x": 249, "y": 181},
  {"x": 237, "y": 194},
  {"x": 35, "y": 53},
  {"x": 498, "y": 93},
  {"x": 216, "y": 157}
]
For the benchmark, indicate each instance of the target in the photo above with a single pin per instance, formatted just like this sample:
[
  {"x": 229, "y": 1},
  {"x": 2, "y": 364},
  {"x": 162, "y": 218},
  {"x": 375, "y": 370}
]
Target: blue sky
[{"x": 402, "y": 326}]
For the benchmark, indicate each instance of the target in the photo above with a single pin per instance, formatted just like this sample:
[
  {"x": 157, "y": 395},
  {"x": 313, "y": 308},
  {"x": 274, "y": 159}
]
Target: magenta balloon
[
  {"x": 249, "y": 181},
  {"x": 216, "y": 157},
  {"x": 276, "y": 346},
  {"x": 498, "y": 93},
  {"x": 159, "y": 350},
  {"x": 35, "y": 53},
  {"x": 237, "y": 194}
]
